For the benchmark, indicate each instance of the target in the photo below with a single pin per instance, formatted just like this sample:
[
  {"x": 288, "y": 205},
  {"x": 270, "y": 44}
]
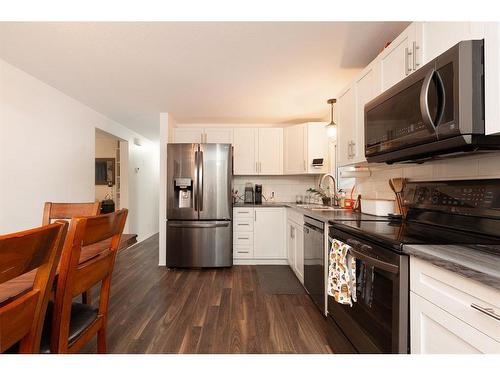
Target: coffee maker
[
  {"x": 258, "y": 194},
  {"x": 249, "y": 193}
]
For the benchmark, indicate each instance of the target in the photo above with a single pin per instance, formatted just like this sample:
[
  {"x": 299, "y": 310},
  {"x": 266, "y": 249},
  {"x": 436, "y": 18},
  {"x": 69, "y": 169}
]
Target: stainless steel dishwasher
[{"x": 314, "y": 261}]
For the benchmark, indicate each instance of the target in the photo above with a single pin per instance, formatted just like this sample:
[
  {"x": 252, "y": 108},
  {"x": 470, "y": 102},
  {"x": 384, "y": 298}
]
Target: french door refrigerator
[{"x": 199, "y": 205}]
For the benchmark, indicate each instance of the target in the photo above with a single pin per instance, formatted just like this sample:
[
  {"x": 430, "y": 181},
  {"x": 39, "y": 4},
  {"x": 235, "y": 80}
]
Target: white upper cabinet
[
  {"x": 303, "y": 143},
  {"x": 270, "y": 151},
  {"x": 188, "y": 135},
  {"x": 245, "y": 151},
  {"x": 258, "y": 151},
  {"x": 218, "y": 135},
  {"x": 366, "y": 87},
  {"x": 437, "y": 37},
  {"x": 203, "y": 135},
  {"x": 346, "y": 122},
  {"x": 295, "y": 143},
  {"x": 401, "y": 58},
  {"x": 317, "y": 147}
]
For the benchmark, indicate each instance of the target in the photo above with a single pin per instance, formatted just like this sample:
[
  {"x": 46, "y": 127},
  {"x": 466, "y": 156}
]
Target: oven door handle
[{"x": 389, "y": 267}]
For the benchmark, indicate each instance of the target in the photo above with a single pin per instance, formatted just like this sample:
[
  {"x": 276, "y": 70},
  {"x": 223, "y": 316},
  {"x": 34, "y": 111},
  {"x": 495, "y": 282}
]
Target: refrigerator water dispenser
[{"x": 183, "y": 188}]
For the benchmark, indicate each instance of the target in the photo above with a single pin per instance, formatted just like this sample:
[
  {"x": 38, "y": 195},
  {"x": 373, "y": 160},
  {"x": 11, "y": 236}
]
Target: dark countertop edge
[
  {"x": 453, "y": 266},
  {"x": 325, "y": 216}
]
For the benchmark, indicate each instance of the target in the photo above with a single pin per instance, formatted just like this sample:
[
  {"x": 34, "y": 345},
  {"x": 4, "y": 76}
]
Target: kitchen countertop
[
  {"x": 325, "y": 216},
  {"x": 475, "y": 262}
]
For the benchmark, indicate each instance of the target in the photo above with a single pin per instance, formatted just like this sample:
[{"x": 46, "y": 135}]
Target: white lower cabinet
[
  {"x": 444, "y": 314},
  {"x": 259, "y": 235},
  {"x": 295, "y": 243}
]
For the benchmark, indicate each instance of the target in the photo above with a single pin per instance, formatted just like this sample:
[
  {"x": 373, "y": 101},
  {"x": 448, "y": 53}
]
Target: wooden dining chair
[
  {"x": 70, "y": 325},
  {"x": 35, "y": 251},
  {"x": 66, "y": 211}
]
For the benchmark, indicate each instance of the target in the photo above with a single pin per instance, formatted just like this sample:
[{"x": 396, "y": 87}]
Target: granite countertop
[
  {"x": 325, "y": 216},
  {"x": 477, "y": 262}
]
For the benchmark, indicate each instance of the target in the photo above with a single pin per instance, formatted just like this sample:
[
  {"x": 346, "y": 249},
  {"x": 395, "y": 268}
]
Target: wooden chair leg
[
  {"x": 87, "y": 297},
  {"x": 101, "y": 340}
]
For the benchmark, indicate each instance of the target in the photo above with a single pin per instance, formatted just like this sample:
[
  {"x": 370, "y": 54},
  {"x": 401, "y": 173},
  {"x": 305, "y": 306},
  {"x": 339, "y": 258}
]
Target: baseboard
[{"x": 250, "y": 262}]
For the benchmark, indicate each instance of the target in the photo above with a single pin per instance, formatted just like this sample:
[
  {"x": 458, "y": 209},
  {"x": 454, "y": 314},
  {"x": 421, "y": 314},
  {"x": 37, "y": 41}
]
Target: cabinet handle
[
  {"x": 353, "y": 149},
  {"x": 415, "y": 62},
  {"x": 242, "y": 252},
  {"x": 260, "y": 167},
  {"x": 408, "y": 66},
  {"x": 255, "y": 215},
  {"x": 486, "y": 310},
  {"x": 256, "y": 167},
  {"x": 304, "y": 167},
  {"x": 243, "y": 238}
]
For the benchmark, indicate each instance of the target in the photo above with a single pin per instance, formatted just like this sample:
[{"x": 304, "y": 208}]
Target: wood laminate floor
[{"x": 157, "y": 310}]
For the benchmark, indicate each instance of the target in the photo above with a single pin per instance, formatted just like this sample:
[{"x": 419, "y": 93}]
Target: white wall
[
  {"x": 167, "y": 123},
  {"x": 285, "y": 188},
  {"x": 473, "y": 166},
  {"x": 47, "y": 150}
]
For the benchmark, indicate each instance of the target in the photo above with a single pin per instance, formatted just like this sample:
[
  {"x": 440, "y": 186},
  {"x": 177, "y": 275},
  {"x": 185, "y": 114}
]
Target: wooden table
[{"x": 21, "y": 284}]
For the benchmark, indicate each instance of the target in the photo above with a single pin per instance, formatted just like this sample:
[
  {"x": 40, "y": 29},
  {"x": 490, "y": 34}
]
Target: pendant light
[{"x": 331, "y": 128}]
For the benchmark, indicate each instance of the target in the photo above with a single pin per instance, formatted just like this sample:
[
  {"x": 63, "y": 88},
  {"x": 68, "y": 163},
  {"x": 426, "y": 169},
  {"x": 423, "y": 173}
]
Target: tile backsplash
[
  {"x": 285, "y": 188},
  {"x": 474, "y": 166}
]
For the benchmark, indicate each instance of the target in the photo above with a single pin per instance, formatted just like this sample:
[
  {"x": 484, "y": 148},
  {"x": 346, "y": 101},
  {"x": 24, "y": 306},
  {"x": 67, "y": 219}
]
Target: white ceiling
[{"x": 236, "y": 72}]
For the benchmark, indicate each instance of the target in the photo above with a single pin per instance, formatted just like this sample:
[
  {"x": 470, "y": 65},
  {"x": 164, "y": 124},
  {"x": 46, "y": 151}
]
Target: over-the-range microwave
[{"x": 438, "y": 110}]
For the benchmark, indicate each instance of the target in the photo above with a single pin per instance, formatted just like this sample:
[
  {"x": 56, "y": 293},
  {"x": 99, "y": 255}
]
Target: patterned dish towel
[{"x": 342, "y": 274}]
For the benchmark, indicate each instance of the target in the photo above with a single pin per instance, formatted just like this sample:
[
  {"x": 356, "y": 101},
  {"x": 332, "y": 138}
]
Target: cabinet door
[
  {"x": 290, "y": 244},
  {"x": 269, "y": 233},
  {"x": 295, "y": 142},
  {"x": 299, "y": 252},
  {"x": 245, "y": 156},
  {"x": 397, "y": 59},
  {"x": 437, "y": 37},
  {"x": 270, "y": 151},
  {"x": 218, "y": 135},
  {"x": 434, "y": 331},
  {"x": 346, "y": 122},
  {"x": 367, "y": 87},
  {"x": 317, "y": 147},
  {"x": 188, "y": 135}
]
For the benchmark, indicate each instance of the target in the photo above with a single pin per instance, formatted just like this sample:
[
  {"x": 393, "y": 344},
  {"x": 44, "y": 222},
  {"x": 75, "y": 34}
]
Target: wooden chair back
[
  {"x": 75, "y": 278},
  {"x": 66, "y": 211},
  {"x": 36, "y": 250}
]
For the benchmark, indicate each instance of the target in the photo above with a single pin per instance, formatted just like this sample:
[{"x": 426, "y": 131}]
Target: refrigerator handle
[
  {"x": 195, "y": 192},
  {"x": 200, "y": 179}
]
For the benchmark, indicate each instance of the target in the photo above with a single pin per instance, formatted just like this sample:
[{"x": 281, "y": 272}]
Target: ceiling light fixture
[{"x": 331, "y": 128}]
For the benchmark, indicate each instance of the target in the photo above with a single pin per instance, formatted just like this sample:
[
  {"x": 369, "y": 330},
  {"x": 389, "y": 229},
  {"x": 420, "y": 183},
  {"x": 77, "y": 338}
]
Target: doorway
[{"x": 111, "y": 171}]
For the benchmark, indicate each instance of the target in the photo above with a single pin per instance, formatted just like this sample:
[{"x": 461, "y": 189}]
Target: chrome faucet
[{"x": 335, "y": 196}]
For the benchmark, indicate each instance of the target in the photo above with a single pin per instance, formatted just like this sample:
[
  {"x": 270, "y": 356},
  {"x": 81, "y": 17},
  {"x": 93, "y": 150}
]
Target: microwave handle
[{"x": 424, "y": 100}]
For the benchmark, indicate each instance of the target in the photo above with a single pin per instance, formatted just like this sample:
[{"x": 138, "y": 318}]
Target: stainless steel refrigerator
[{"x": 199, "y": 205}]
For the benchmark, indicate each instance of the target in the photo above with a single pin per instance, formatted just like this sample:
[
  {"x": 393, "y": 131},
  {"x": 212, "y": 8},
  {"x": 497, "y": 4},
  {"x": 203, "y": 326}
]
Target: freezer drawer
[{"x": 199, "y": 244}]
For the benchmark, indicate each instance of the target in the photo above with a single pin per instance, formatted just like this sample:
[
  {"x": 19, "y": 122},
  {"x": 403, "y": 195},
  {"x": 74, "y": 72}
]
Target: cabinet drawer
[
  {"x": 295, "y": 216},
  {"x": 242, "y": 252},
  {"x": 434, "y": 331},
  {"x": 243, "y": 225},
  {"x": 456, "y": 295},
  {"x": 243, "y": 238},
  {"x": 241, "y": 212}
]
